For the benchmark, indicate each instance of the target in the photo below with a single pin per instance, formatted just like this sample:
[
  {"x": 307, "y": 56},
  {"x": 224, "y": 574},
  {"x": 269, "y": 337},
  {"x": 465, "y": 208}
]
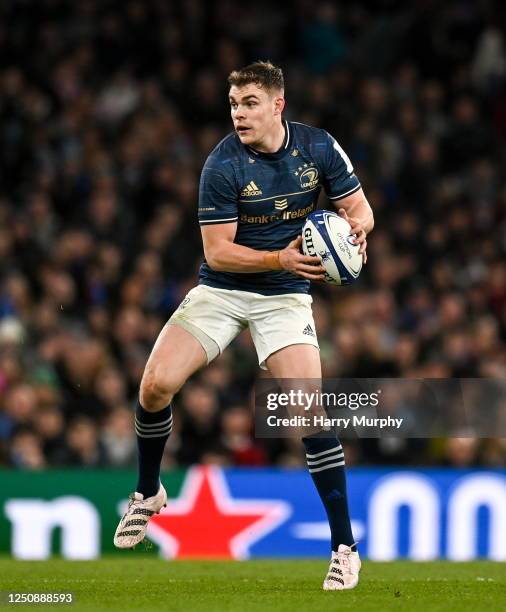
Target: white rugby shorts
[{"x": 216, "y": 316}]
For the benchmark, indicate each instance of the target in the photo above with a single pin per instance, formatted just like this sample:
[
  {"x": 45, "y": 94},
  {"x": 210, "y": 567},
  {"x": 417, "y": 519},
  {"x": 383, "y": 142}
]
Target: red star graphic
[{"x": 205, "y": 522}]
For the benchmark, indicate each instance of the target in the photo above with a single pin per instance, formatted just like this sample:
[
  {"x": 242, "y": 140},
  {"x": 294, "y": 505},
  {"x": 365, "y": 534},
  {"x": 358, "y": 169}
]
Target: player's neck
[{"x": 273, "y": 142}]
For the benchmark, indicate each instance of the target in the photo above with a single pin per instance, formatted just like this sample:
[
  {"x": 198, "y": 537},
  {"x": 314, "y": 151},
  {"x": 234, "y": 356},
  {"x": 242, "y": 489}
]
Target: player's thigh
[
  {"x": 213, "y": 316},
  {"x": 283, "y": 331},
  {"x": 298, "y": 372},
  {"x": 295, "y": 361},
  {"x": 203, "y": 325},
  {"x": 176, "y": 355}
]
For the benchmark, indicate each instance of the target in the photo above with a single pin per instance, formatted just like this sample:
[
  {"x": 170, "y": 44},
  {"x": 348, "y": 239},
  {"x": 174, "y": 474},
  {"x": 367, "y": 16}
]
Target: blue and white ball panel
[{"x": 328, "y": 235}]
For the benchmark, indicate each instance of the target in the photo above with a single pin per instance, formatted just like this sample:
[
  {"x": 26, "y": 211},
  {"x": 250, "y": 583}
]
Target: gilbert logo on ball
[{"x": 328, "y": 235}]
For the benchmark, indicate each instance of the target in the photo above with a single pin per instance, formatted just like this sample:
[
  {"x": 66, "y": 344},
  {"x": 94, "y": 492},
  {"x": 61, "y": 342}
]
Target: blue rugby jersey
[{"x": 270, "y": 195}]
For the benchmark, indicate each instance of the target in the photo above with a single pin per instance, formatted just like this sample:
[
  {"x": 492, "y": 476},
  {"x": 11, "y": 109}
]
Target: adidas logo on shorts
[{"x": 308, "y": 330}]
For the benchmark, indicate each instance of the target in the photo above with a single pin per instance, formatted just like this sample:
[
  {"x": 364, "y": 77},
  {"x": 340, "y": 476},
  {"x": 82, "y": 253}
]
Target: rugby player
[{"x": 256, "y": 189}]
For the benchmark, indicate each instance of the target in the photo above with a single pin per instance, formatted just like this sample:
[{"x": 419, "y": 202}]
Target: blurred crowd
[{"x": 107, "y": 113}]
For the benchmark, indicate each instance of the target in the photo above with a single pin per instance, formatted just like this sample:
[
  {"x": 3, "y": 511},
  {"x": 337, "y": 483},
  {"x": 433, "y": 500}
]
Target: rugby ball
[{"x": 328, "y": 235}]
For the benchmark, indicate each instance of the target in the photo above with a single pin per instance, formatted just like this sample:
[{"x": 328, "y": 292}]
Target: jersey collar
[{"x": 281, "y": 152}]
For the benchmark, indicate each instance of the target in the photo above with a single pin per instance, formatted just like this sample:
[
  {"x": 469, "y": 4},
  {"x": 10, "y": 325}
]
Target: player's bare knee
[
  {"x": 152, "y": 396},
  {"x": 157, "y": 389}
]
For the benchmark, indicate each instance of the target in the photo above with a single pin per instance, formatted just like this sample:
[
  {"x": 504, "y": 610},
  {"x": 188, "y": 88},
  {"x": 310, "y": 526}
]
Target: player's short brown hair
[{"x": 263, "y": 74}]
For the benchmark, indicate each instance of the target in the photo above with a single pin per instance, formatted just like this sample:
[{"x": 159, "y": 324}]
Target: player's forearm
[
  {"x": 230, "y": 257},
  {"x": 358, "y": 207},
  {"x": 367, "y": 218},
  {"x": 362, "y": 211}
]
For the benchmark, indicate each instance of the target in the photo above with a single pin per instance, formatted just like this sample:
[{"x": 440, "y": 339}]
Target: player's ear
[{"x": 279, "y": 104}]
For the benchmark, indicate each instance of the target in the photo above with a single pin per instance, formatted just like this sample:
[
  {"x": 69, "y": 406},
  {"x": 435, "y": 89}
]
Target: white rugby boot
[
  {"x": 343, "y": 570},
  {"x": 132, "y": 526}
]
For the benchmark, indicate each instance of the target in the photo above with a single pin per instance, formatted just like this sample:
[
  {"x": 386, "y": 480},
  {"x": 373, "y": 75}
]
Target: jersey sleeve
[
  {"x": 339, "y": 179},
  {"x": 217, "y": 194}
]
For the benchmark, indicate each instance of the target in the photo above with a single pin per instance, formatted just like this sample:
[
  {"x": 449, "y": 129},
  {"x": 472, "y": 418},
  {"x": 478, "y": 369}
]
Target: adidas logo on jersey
[
  {"x": 251, "y": 189},
  {"x": 308, "y": 330}
]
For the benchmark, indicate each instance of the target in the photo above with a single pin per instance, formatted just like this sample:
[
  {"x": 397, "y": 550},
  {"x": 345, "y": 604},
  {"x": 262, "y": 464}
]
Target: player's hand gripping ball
[{"x": 328, "y": 235}]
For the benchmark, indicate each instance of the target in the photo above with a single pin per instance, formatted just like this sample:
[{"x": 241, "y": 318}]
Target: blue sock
[
  {"x": 325, "y": 460},
  {"x": 153, "y": 430}
]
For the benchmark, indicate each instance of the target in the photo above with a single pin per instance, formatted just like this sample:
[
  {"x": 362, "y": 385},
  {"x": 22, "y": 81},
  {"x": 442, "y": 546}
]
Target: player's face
[{"x": 255, "y": 112}]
